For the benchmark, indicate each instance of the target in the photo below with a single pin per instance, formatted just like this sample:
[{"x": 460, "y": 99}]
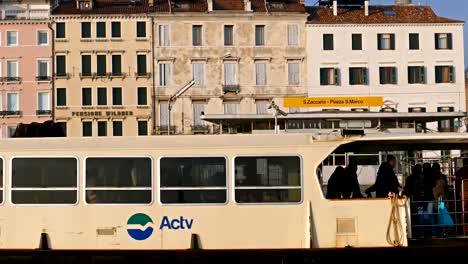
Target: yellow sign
[{"x": 347, "y": 101}]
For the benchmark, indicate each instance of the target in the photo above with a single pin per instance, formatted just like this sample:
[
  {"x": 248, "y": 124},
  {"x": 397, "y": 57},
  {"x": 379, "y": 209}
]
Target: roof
[
  {"x": 377, "y": 15},
  {"x": 162, "y": 6}
]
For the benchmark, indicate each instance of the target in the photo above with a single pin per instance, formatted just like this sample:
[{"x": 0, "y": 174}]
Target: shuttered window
[
  {"x": 142, "y": 96},
  {"x": 293, "y": 35},
  {"x": 85, "y": 29},
  {"x": 164, "y": 74},
  {"x": 86, "y": 97},
  {"x": 115, "y": 29},
  {"x": 101, "y": 65},
  {"x": 386, "y": 41},
  {"x": 141, "y": 65},
  {"x": 198, "y": 69},
  {"x": 259, "y": 35},
  {"x": 443, "y": 41},
  {"x": 197, "y": 35},
  {"x": 445, "y": 74},
  {"x": 293, "y": 73},
  {"x": 356, "y": 40},
  {"x": 416, "y": 74},
  {"x": 231, "y": 107},
  {"x": 60, "y": 30},
  {"x": 85, "y": 65},
  {"x": 230, "y": 73},
  {"x": 141, "y": 29},
  {"x": 117, "y": 128},
  {"x": 228, "y": 35},
  {"x": 163, "y": 113},
  {"x": 260, "y": 73},
  {"x": 328, "y": 42},
  {"x": 60, "y": 67},
  {"x": 116, "y": 64},
  {"x": 388, "y": 75},
  {"x": 329, "y": 76},
  {"x": 102, "y": 128},
  {"x": 102, "y": 96},
  {"x": 262, "y": 106},
  {"x": 198, "y": 108},
  {"x": 163, "y": 31},
  {"x": 413, "y": 41},
  {"x": 87, "y": 128},
  {"x": 358, "y": 76},
  {"x": 61, "y": 96},
  {"x": 100, "y": 29},
  {"x": 142, "y": 127},
  {"x": 116, "y": 96}
]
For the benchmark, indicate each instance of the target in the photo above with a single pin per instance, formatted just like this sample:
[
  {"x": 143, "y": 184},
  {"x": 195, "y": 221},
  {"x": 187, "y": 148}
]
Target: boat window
[
  {"x": 44, "y": 181},
  {"x": 119, "y": 180},
  {"x": 189, "y": 180},
  {"x": 268, "y": 179},
  {"x": 1, "y": 180}
]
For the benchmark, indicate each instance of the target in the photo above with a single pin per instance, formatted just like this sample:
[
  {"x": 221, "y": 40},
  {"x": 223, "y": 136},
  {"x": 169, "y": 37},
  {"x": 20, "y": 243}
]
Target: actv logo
[{"x": 140, "y": 226}]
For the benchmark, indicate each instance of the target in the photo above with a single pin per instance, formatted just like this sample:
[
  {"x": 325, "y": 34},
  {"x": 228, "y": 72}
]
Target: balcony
[
  {"x": 11, "y": 113},
  {"x": 11, "y": 79},
  {"x": 86, "y": 75},
  {"x": 116, "y": 75},
  {"x": 200, "y": 129},
  {"x": 62, "y": 75},
  {"x": 25, "y": 11},
  {"x": 162, "y": 130},
  {"x": 142, "y": 74},
  {"x": 101, "y": 74},
  {"x": 43, "y": 78},
  {"x": 43, "y": 112},
  {"x": 231, "y": 88}
]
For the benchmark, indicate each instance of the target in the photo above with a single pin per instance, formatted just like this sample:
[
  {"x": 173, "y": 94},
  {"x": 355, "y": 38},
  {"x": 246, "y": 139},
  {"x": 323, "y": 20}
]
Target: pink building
[{"x": 25, "y": 64}]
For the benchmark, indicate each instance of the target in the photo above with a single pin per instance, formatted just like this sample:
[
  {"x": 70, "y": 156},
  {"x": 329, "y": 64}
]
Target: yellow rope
[{"x": 395, "y": 221}]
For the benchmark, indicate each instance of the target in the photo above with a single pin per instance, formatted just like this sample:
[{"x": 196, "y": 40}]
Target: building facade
[
  {"x": 103, "y": 68},
  {"x": 25, "y": 64},
  {"x": 404, "y": 53}
]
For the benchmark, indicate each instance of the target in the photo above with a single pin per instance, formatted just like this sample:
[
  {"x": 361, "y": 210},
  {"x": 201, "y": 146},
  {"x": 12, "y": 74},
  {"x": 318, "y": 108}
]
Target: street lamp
[
  {"x": 173, "y": 99},
  {"x": 278, "y": 112}
]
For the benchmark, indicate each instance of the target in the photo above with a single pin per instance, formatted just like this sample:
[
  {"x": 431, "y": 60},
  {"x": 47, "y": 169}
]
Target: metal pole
[
  {"x": 276, "y": 123},
  {"x": 169, "y": 117}
]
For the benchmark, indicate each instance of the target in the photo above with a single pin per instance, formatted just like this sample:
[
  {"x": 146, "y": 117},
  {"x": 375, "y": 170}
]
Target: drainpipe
[
  {"x": 52, "y": 32},
  {"x": 153, "y": 79}
]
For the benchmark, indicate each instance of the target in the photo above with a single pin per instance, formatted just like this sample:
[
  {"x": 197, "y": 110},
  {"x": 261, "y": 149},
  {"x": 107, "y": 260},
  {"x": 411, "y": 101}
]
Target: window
[
  {"x": 12, "y": 38},
  {"x": 116, "y": 65},
  {"x": 164, "y": 40},
  {"x": 102, "y": 96},
  {"x": 388, "y": 75},
  {"x": 1, "y": 180},
  {"x": 11, "y": 131},
  {"x": 198, "y": 70},
  {"x": 63, "y": 127},
  {"x": 329, "y": 76},
  {"x": 141, "y": 29},
  {"x": 141, "y": 65},
  {"x": 259, "y": 35},
  {"x": 115, "y": 29},
  {"x": 86, "y": 65},
  {"x": 445, "y": 74},
  {"x": 102, "y": 128},
  {"x": 164, "y": 74},
  {"x": 100, "y": 29},
  {"x": 228, "y": 35},
  {"x": 163, "y": 114},
  {"x": 356, "y": 41},
  {"x": 262, "y": 106},
  {"x": 260, "y": 73},
  {"x": 85, "y": 29},
  {"x": 268, "y": 179},
  {"x": 187, "y": 180},
  {"x": 60, "y": 30},
  {"x": 44, "y": 181},
  {"x": 101, "y": 65},
  {"x": 142, "y": 127},
  {"x": 12, "y": 70},
  {"x": 386, "y": 41},
  {"x": 358, "y": 76},
  {"x": 116, "y": 96},
  {"x": 43, "y": 101},
  {"x": 42, "y": 38},
  {"x": 327, "y": 41},
  {"x": 231, "y": 107},
  {"x": 446, "y": 125},
  {"x": 142, "y": 96},
  {"x": 12, "y": 102},
  {"x": 117, "y": 128},
  {"x": 230, "y": 73},
  {"x": 87, "y": 127},
  {"x": 197, "y": 34},
  {"x": 293, "y": 35},
  {"x": 293, "y": 73},
  {"x": 86, "y": 97},
  {"x": 198, "y": 108},
  {"x": 60, "y": 67},
  {"x": 416, "y": 74},
  {"x": 413, "y": 41},
  {"x": 118, "y": 181},
  {"x": 42, "y": 70},
  {"x": 61, "y": 96},
  {"x": 443, "y": 41}
]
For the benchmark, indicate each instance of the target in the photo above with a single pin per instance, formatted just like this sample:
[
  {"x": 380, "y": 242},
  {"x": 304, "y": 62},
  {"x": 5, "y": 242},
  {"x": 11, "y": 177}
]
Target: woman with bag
[{"x": 444, "y": 220}]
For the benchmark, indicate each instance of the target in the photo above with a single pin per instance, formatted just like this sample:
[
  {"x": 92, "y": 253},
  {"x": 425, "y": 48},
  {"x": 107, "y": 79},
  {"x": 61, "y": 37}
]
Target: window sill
[
  {"x": 116, "y": 39},
  {"x": 141, "y": 39},
  {"x": 61, "y": 40},
  {"x": 64, "y": 77},
  {"x": 101, "y": 39},
  {"x": 118, "y": 107},
  {"x": 61, "y": 107},
  {"x": 86, "y": 40},
  {"x": 102, "y": 107},
  {"x": 143, "y": 106},
  {"x": 87, "y": 107}
]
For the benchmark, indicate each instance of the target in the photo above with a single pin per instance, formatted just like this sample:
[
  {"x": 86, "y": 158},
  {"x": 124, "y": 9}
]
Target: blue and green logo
[{"x": 140, "y": 226}]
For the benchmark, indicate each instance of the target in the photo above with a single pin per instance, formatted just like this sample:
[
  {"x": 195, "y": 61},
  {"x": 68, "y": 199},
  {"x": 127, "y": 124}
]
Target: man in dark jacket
[{"x": 387, "y": 181}]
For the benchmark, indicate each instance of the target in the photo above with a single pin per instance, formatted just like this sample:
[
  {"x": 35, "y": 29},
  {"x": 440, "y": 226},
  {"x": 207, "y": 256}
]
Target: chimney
[
  {"x": 335, "y": 7},
  {"x": 366, "y": 8},
  {"x": 210, "y": 5},
  {"x": 247, "y": 5}
]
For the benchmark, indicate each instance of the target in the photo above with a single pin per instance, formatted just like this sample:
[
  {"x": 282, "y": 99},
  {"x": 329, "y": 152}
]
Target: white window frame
[
  {"x": 290, "y": 44},
  {"x": 264, "y": 35},
  {"x": 8, "y": 131},
  {"x": 159, "y": 188},
  {"x": 168, "y": 35},
  {"x": 386, "y": 38},
  {"x": 48, "y": 66},
  {"x": 299, "y": 62},
  {"x": 118, "y": 188},
  {"x": 443, "y": 39},
  {"x": 267, "y": 68},
  {"x": 48, "y": 101},
  {"x": 17, "y": 68},
  {"x": 17, "y": 38},
  {"x": 10, "y": 175},
  {"x": 236, "y": 102},
  {"x": 203, "y": 63},
  {"x": 37, "y": 38},
  {"x": 17, "y": 101}
]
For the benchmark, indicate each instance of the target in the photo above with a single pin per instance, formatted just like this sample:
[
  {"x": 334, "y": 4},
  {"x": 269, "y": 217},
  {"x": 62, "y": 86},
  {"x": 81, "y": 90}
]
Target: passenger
[
  {"x": 440, "y": 183},
  {"x": 429, "y": 185},
  {"x": 351, "y": 188},
  {"x": 414, "y": 187},
  {"x": 335, "y": 183},
  {"x": 461, "y": 180},
  {"x": 386, "y": 181}
]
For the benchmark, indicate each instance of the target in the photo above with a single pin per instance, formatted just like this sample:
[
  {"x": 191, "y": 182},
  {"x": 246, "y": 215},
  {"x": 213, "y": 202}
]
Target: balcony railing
[
  {"x": 143, "y": 74},
  {"x": 161, "y": 130},
  {"x": 200, "y": 129},
  {"x": 43, "y": 78},
  {"x": 62, "y": 75},
  {"x": 116, "y": 74},
  {"x": 11, "y": 79},
  {"x": 10, "y": 113},
  {"x": 231, "y": 88},
  {"x": 24, "y": 14},
  {"x": 101, "y": 74},
  {"x": 43, "y": 112}
]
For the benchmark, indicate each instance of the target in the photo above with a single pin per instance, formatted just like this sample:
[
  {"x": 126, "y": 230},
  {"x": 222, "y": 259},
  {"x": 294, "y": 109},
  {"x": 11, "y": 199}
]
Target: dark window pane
[
  {"x": 141, "y": 64},
  {"x": 413, "y": 41},
  {"x": 117, "y": 65},
  {"x": 197, "y": 35},
  {"x": 85, "y": 29},
  {"x": 118, "y": 196},
  {"x": 86, "y": 65},
  {"x": 102, "y": 96},
  {"x": 142, "y": 96},
  {"x": 60, "y": 30},
  {"x": 44, "y": 197},
  {"x": 61, "y": 97},
  {"x": 100, "y": 29},
  {"x": 61, "y": 65},
  {"x": 141, "y": 29},
  {"x": 387, "y": 75},
  {"x": 357, "y": 76},
  {"x": 87, "y": 128},
  {"x": 102, "y": 128},
  {"x": 357, "y": 41},
  {"x": 1, "y": 175},
  {"x": 116, "y": 29},
  {"x": 63, "y": 126},
  {"x": 118, "y": 172},
  {"x": 444, "y": 74},
  {"x": 142, "y": 128},
  {"x": 86, "y": 98},
  {"x": 228, "y": 35},
  {"x": 327, "y": 41},
  {"x": 259, "y": 35},
  {"x": 101, "y": 65},
  {"x": 416, "y": 74},
  {"x": 117, "y": 128},
  {"x": 116, "y": 96},
  {"x": 268, "y": 196},
  {"x": 44, "y": 172},
  {"x": 193, "y": 196}
]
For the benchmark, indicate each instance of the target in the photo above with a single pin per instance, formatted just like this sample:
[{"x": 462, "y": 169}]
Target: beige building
[
  {"x": 103, "y": 79},
  {"x": 241, "y": 54}
]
